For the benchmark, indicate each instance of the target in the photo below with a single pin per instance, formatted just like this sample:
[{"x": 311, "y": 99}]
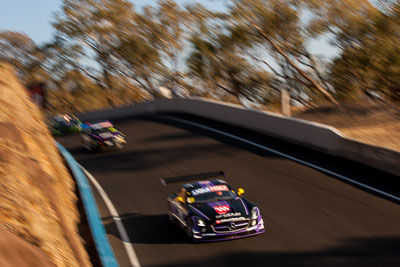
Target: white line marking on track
[
  {"x": 393, "y": 197},
  {"x": 117, "y": 219}
]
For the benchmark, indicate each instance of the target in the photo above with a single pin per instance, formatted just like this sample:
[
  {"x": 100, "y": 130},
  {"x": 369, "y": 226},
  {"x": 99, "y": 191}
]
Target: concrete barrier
[{"x": 313, "y": 135}]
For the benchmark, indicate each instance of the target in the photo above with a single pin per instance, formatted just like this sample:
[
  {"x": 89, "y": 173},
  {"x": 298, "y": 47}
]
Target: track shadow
[
  {"x": 144, "y": 159},
  {"x": 79, "y": 151},
  {"x": 357, "y": 171},
  {"x": 171, "y": 137},
  {"x": 195, "y": 131},
  {"x": 366, "y": 252},
  {"x": 148, "y": 229}
]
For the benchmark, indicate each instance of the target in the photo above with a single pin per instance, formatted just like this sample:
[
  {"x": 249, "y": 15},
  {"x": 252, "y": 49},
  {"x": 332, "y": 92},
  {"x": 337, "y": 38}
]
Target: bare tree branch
[{"x": 293, "y": 65}]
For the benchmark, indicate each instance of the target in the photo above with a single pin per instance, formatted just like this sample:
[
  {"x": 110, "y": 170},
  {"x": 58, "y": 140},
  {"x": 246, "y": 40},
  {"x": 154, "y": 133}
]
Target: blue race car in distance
[
  {"x": 102, "y": 135},
  {"x": 210, "y": 210}
]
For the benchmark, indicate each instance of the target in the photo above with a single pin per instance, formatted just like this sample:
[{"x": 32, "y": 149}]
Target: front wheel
[
  {"x": 86, "y": 145},
  {"x": 189, "y": 228},
  {"x": 120, "y": 145},
  {"x": 170, "y": 216}
]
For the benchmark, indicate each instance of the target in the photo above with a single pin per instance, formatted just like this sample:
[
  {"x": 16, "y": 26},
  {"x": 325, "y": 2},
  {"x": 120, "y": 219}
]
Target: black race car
[
  {"x": 212, "y": 210},
  {"x": 102, "y": 135}
]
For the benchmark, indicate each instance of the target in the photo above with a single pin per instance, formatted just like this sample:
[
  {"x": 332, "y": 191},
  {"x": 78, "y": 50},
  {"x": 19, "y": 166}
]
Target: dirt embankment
[
  {"x": 38, "y": 215},
  {"x": 372, "y": 123}
]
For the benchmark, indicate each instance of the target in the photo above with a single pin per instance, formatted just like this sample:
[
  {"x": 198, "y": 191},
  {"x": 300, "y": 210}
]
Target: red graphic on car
[{"x": 222, "y": 209}]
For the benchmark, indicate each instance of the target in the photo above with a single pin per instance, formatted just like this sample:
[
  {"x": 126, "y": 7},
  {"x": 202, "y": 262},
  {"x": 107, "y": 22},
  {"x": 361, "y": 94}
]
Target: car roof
[{"x": 205, "y": 183}]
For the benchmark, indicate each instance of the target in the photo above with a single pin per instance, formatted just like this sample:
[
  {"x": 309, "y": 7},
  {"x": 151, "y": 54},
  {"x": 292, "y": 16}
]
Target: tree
[
  {"x": 354, "y": 18},
  {"x": 277, "y": 26},
  {"x": 217, "y": 59},
  {"x": 20, "y": 51},
  {"x": 374, "y": 66},
  {"x": 100, "y": 25},
  {"x": 366, "y": 33},
  {"x": 140, "y": 60},
  {"x": 172, "y": 19},
  {"x": 62, "y": 57}
]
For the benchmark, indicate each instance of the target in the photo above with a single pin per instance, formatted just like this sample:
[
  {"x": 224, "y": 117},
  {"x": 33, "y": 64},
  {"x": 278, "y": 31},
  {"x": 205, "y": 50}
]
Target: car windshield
[
  {"x": 102, "y": 130},
  {"x": 71, "y": 122},
  {"x": 210, "y": 194}
]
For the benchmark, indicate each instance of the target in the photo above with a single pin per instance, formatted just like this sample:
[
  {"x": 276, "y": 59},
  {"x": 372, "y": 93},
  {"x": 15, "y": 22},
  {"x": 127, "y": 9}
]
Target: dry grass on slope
[
  {"x": 37, "y": 199},
  {"x": 372, "y": 123}
]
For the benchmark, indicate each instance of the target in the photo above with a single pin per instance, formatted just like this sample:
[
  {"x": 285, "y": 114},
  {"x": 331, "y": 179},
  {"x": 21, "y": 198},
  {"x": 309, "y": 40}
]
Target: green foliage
[
  {"x": 77, "y": 93},
  {"x": 219, "y": 60},
  {"x": 370, "y": 61},
  {"x": 277, "y": 27},
  {"x": 346, "y": 19},
  {"x": 99, "y": 24},
  {"x": 20, "y": 51}
]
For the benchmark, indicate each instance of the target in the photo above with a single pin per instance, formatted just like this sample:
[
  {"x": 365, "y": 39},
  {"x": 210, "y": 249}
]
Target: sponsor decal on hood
[
  {"x": 222, "y": 209},
  {"x": 209, "y": 189}
]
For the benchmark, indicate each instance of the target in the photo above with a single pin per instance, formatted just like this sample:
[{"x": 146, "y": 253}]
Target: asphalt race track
[{"x": 311, "y": 219}]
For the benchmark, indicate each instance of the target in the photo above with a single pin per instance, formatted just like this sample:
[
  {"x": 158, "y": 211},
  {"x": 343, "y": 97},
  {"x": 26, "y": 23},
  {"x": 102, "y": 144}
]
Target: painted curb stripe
[{"x": 117, "y": 219}]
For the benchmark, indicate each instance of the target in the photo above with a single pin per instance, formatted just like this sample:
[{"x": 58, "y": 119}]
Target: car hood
[
  {"x": 106, "y": 135},
  {"x": 222, "y": 209}
]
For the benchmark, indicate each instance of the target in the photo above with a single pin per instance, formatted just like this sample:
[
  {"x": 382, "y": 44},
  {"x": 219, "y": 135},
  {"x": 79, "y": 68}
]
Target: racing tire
[
  {"x": 119, "y": 146},
  {"x": 170, "y": 217},
  {"x": 87, "y": 146},
  {"x": 189, "y": 228}
]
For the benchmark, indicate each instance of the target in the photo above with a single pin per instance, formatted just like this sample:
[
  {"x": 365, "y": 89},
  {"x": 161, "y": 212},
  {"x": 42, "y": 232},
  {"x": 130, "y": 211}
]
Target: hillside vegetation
[
  {"x": 38, "y": 215},
  {"x": 376, "y": 124}
]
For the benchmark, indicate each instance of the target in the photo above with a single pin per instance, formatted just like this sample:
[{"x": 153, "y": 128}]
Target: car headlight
[
  {"x": 254, "y": 213},
  {"x": 119, "y": 138},
  {"x": 200, "y": 223}
]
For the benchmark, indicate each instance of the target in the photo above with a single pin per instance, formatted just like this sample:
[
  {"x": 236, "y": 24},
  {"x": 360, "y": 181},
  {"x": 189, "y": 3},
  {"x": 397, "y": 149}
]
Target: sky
[
  {"x": 29, "y": 16},
  {"x": 34, "y": 17}
]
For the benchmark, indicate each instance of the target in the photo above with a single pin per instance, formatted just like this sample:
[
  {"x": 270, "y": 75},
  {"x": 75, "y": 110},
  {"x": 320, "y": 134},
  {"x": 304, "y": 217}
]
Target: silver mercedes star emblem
[{"x": 232, "y": 226}]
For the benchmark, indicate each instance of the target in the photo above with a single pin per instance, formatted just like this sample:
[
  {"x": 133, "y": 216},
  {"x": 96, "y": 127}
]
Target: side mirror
[
  {"x": 240, "y": 191},
  {"x": 180, "y": 199}
]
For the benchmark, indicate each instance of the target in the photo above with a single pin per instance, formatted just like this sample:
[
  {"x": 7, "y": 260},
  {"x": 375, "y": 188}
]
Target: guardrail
[
  {"x": 314, "y": 135},
  {"x": 97, "y": 230}
]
